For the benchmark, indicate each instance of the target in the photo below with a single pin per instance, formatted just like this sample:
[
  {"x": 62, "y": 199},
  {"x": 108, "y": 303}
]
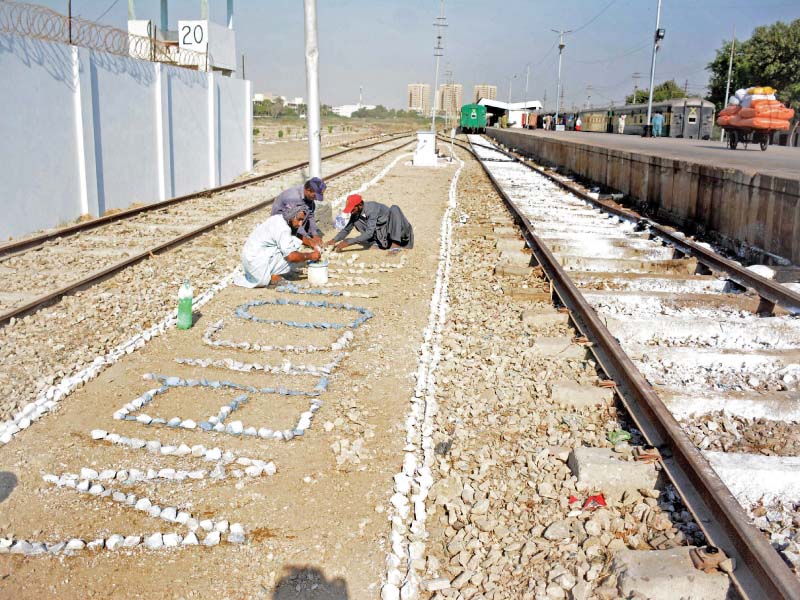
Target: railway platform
[{"x": 745, "y": 200}]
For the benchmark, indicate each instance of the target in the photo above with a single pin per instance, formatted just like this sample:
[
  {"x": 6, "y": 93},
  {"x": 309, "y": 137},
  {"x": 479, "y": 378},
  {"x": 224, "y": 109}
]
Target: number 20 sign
[{"x": 193, "y": 35}]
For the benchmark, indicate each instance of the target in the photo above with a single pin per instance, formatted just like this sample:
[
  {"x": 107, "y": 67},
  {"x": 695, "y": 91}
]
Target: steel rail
[
  {"x": 37, "y": 240},
  {"x": 759, "y": 573},
  {"x": 102, "y": 274},
  {"x": 769, "y": 290}
]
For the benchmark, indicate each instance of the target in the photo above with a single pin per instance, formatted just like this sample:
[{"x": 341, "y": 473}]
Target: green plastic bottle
[{"x": 185, "y": 305}]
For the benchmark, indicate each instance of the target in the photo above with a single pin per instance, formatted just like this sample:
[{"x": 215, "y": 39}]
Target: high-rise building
[
  {"x": 484, "y": 90},
  {"x": 448, "y": 98},
  {"x": 419, "y": 98}
]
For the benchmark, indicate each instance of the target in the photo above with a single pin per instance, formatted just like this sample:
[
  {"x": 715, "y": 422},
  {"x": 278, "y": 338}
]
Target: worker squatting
[{"x": 275, "y": 245}]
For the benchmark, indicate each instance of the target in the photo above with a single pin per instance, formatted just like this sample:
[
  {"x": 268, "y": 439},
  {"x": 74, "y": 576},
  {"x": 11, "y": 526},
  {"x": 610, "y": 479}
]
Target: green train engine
[{"x": 473, "y": 118}]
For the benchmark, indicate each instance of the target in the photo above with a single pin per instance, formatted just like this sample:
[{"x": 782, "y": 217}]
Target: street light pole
[
  {"x": 312, "y": 88},
  {"x": 561, "y": 34},
  {"x": 508, "y": 108},
  {"x": 527, "y": 76},
  {"x": 728, "y": 85},
  {"x": 438, "y": 51},
  {"x": 659, "y": 35}
]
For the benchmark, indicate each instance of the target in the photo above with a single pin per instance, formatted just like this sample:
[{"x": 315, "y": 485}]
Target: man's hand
[
  {"x": 340, "y": 246},
  {"x": 316, "y": 241},
  {"x": 315, "y": 255}
]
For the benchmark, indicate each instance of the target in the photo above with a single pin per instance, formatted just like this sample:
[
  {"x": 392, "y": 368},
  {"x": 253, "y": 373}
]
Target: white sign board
[
  {"x": 193, "y": 35},
  {"x": 559, "y": 128}
]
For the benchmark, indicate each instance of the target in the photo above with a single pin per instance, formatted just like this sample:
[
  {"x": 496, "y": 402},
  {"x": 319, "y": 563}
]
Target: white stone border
[
  {"x": 49, "y": 398},
  {"x": 413, "y": 482},
  {"x": 253, "y": 467}
]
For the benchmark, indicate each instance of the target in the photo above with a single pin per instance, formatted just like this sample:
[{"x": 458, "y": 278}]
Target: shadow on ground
[
  {"x": 8, "y": 481},
  {"x": 309, "y": 583}
]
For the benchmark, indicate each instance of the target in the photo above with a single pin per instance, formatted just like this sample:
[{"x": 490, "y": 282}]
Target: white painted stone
[
  {"x": 212, "y": 539},
  {"x": 99, "y": 434},
  {"x": 190, "y": 539},
  {"x": 172, "y": 540},
  {"x": 75, "y": 544},
  {"x": 154, "y": 542},
  {"x": 132, "y": 541},
  {"x": 88, "y": 473},
  {"x": 206, "y": 524},
  {"x": 169, "y": 514},
  {"x": 114, "y": 541}
]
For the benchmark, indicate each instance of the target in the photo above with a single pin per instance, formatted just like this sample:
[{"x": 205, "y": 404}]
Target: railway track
[
  {"x": 39, "y": 270},
  {"x": 707, "y": 376}
]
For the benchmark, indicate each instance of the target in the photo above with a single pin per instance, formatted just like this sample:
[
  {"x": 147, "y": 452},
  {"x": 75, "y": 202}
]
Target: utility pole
[
  {"x": 561, "y": 34},
  {"x": 508, "y": 108},
  {"x": 312, "y": 87},
  {"x": 527, "y": 77},
  {"x": 438, "y": 52},
  {"x": 728, "y": 85},
  {"x": 659, "y": 35},
  {"x": 636, "y": 76}
]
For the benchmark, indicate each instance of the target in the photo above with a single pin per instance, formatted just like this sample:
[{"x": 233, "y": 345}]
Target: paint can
[{"x": 318, "y": 273}]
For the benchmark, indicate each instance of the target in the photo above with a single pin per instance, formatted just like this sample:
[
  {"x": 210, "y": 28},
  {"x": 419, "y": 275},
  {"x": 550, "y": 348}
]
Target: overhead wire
[
  {"x": 106, "y": 11},
  {"x": 594, "y": 18}
]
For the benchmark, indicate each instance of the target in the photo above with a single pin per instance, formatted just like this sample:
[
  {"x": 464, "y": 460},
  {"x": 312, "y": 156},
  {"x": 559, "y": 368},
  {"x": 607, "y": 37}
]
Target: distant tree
[
  {"x": 663, "y": 91},
  {"x": 771, "y": 57},
  {"x": 276, "y": 108},
  {"x": 261, "y": 109}
]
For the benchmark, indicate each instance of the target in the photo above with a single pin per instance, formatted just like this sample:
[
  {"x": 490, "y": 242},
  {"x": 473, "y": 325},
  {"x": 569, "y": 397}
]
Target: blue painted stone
[{"x": 206, "y": 426}]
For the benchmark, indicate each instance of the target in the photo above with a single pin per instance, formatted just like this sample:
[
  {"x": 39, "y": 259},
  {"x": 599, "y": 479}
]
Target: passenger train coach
[{"x": 691, "y": 118}]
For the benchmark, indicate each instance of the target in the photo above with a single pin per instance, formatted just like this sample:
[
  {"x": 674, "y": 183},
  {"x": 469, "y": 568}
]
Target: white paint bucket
[{"x": 318, "y": 273}]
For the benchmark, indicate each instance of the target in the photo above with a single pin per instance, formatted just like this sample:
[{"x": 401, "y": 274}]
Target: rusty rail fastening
[
  {"x": 103, "y": 274},
  {"x": 759, "y": 572}
]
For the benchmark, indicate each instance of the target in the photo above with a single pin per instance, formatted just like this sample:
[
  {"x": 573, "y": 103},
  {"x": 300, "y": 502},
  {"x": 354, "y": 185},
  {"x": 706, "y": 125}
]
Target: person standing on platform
[
  {"x": 311, "y": 191},
  {"x": 621, "y": 123},
  {"x": 578, "y": 124},
  {"x": 385, "y": 227},
  {"x": 658, "y": 123}
]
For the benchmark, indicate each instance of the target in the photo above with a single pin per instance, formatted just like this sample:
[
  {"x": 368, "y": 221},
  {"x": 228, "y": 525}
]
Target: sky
[{"x": 383, "y": 45}]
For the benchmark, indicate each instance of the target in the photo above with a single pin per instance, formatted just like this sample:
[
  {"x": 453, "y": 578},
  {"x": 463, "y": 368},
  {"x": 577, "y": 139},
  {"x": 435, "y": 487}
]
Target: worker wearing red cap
[{"x": 381, "y": 225}]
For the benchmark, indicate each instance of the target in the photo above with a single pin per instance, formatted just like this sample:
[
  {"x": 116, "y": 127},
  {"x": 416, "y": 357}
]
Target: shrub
[{"x": 280, "y": 133}]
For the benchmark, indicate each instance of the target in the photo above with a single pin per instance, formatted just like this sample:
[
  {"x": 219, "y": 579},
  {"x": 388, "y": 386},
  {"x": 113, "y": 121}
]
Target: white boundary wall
[{"x": 83, "y": 131}]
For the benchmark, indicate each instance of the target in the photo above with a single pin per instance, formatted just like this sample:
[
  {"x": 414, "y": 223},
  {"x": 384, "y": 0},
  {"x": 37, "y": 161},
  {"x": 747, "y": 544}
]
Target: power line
[
  {"x": 105, "y": 12},
  {"x": 594, "y": 18},
  {"x": 610, "y": 58}
]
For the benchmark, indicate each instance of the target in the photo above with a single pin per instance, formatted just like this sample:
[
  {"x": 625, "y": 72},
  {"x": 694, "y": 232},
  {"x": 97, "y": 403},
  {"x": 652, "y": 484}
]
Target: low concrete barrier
[{"x": 748, "y": 214}]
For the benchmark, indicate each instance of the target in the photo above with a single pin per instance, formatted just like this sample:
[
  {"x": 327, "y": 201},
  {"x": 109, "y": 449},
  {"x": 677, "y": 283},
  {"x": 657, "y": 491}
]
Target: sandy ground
[{"x": 315, "y": 529}]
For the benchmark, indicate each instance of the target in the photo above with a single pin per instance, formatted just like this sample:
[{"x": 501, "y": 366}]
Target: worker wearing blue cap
[{"x": 311, "y": 191}]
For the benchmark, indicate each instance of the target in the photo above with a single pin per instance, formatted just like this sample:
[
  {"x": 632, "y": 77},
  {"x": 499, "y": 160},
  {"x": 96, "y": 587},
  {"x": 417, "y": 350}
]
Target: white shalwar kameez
[{"x": 265, "y": 251}]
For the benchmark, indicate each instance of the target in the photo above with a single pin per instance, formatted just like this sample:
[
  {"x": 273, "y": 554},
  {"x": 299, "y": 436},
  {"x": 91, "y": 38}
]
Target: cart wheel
[
  {"x": 733, "y": 140},
  {"x": 763, "y": 141}
]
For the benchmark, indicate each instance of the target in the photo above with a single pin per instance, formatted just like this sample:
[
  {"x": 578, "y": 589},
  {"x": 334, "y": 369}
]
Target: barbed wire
[{"x": 42, "y": 23}]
